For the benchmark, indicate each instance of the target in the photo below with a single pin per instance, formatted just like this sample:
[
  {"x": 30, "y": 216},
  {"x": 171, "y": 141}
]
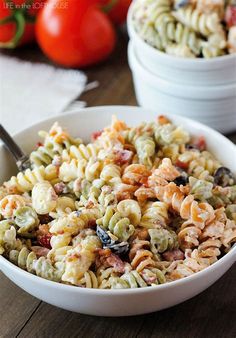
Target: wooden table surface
[{"x": 210, "y": 314}]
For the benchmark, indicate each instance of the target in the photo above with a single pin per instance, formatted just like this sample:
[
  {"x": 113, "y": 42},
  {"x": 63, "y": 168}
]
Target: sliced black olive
[
  {"x": 119, "y": 248},
  {"x": 104, "y": 237},
  {"x": 181, "y": 180},
  {"x": 223, "y": 177},
  {"x": 181, "y": 3},
  {"x": 190, "y": 146}
]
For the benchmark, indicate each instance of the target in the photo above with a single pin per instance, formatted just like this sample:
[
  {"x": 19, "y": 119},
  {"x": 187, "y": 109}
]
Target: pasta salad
[
  {"x": 136, "y": 207},
  {"x": 187, "y": 28}
]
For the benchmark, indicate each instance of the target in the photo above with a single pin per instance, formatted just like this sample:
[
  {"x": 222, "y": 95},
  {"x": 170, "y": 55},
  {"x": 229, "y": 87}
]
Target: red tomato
[
  {"x": 17, "y": 22},
  {"x": 74, "y": 33},
  {"x": 116, "y": 9},
  {"x": 230, "y": 16},
  {"x": 200, "y": 143}
]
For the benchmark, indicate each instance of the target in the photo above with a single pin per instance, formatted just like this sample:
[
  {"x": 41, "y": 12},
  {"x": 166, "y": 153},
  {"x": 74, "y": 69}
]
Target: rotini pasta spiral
[
  {"x": 131, "y": 134},
  {"x": 179, "y": 50},
  {"x": 200, "y": 189},
  {"x": 89, "y": 280},
  {"x": 78, "y": 169},
  {"x": 24, "y": 182},
  {"x": 199, "y": 22},
  {"x": 80, "y": 152},
  {"x": 42, "y": 267},
  {"x": 104, "y": 275},
  {"x": 7, "y": 235},
  {"x": 215, "y": 46},
  {"x": 140, "y": 255},
  {"x": 26, "y": 219},
  {"x": 111, "y": 174},
  {"x": 162, "y": 240},
  {"x": 64, "y": 206},
  {"x": 79, "y": 259},
  {"x": 96, "y": 192},
  {"x": 54, "y": 143},
  {"x": 145, "y": 147},
  {"x": 168, "y": 134},
  {"x": 114, "y": 221},
  {"x": 189, "y": 209},
  {"x": 44, "y": 198},
  {"x": 131, "y": 280},
  {"x": 154, "y": 214},
  {"x": 10, "y": 203}
]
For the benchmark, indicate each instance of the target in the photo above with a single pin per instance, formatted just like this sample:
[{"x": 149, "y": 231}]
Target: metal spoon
[{"x": 21, "y": 159}]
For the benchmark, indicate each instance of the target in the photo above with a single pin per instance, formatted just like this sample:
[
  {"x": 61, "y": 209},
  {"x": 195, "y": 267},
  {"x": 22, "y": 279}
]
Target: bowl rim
[
  {"x": 71, "y": 288},
  {"x": 181, "y": 61}
]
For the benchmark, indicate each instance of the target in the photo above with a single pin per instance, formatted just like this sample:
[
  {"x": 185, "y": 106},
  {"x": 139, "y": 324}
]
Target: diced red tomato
[
  {"x": 230, "y": 16},
  {"x": 200, "y": 143},
  {"x": 95, "y": 135},
  {"x": 182, "y": 165},
  {"x": 44, "y": 241}
]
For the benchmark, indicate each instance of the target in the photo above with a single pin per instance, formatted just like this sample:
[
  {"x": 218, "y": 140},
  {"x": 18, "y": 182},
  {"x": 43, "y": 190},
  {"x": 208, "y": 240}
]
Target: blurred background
[
  {"x": 57, "y": 56},
  {"x": 60, "y": 55}
]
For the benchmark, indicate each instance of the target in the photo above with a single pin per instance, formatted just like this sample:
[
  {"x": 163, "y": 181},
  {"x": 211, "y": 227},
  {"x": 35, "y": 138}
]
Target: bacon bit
[
  {"x": 108, "y": 259},
  {"x": 43, "y": 229},
  {"x": 185, "y": 189},
  {"x": 40, "y": 251},
  {"x": 182, "y": 165},
  {"x": 44, "y": 236},
  {"x": 230, "y": 16},
  {"x": 95, "y": 135},
  {"x": 144, "y": 181},
  {"x": 148, "y": 279},
  {"x": 89, "y": 205},
  {"x": 122, "y": 156},
  {"x": 173, "y": 255},
  {"x": 44, "y": 240},
  {"x": 92, "y": 223},
  {"x": 200, "y": 143},
  {"x": 39, "y": 144},
  {"x": 162, "y": 120},
  {"x": 59, "y": 187},
  {"x": 141, "y": 234}
]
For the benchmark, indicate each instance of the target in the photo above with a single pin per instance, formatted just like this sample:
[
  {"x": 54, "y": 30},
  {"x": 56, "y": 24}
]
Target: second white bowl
[
  {"x": 204, "y": 72},
  {"x": 214, "y": 105}
]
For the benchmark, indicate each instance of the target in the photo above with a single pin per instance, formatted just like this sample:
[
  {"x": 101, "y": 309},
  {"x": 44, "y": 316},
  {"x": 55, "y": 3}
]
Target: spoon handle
[{"x": 22, "y": 160}]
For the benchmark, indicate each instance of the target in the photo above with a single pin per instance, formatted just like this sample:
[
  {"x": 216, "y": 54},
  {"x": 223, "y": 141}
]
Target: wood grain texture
[
  {"x": 210, "y": 314},
  {"x": 16, "y": 307}
]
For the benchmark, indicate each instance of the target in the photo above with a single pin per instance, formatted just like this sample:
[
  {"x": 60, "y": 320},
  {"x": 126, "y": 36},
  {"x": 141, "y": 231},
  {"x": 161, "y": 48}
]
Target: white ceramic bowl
[
  {"x": 117, "y": 302},
  {"x": 214, "y": 105},
  {"x": 204, "y": 72}
]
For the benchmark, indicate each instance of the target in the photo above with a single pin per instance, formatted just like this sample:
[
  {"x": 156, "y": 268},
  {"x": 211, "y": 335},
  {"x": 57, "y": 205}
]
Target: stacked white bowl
[{"x": 201, "y": 89}]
